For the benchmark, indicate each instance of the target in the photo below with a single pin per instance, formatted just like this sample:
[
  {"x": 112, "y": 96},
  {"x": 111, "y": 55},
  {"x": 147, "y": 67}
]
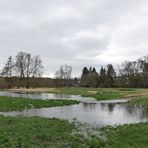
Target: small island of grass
[{"x": 17, "y": 103}]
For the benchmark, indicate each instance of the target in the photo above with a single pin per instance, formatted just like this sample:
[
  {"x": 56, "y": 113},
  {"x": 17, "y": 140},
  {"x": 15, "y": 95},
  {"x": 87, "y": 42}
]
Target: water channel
[{"x": 89, "y": 111}]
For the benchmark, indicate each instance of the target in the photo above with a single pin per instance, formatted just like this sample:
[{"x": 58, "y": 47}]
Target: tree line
[
  {"x": 28, "y": 69},
  {"x": 128, "y": 74}
]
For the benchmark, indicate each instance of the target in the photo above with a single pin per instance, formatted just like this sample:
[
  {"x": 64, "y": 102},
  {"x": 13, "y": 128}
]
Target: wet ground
[{"x": 90, "y": 111}]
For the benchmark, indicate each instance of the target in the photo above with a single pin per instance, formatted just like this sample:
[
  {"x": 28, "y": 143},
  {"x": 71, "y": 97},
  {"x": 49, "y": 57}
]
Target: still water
[
  {"x": 90, "y": 111},
  {"x": 45, "y": 96}
]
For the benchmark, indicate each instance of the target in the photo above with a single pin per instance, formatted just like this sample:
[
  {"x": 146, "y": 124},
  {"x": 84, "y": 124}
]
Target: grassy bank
[
  {"x": 140, "y": 100},
  {"x": 54, "y": 133},
  {"x": 16, "y": 103},
  {"x": 98, "y": 93},
  {"x": 40, "y": 132},
  {"x": 102, "y": 93},
  {"x": 127, "y": 136}
]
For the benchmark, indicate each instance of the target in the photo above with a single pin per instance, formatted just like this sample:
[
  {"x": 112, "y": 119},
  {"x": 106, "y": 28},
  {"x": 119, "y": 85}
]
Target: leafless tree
[
  {"x": 21, "y": 64},
  {"x": 37, "y": 66},
  {"x": 27, "y": 66},
  {"x": 65, "y": 73},
  {"x": 129, "y": 73}
]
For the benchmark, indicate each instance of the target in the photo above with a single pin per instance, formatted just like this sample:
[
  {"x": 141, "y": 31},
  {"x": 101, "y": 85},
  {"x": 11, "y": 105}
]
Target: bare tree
[
  {"x": 27, "y": 66},
  {"x": 143, "y": 62},
  {"x": 37, "y": 66},
  {"x": 28, "y": 70},
  {"x": 20, "y": 64},
  {"x": 64, "y": 72},
  {"x": 129, "y": 73}
]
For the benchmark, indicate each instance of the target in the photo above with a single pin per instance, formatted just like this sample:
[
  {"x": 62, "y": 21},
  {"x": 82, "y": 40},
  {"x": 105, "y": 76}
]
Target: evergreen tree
[
  {"x": 111, "y": 76},
  {"x": 7, "y": 70},
  {"x": 84, "y": 77},
  {"x": 93, "y": 78},
  {"x": 89, "y": 77},
  {"x": 102, "y": 76}
]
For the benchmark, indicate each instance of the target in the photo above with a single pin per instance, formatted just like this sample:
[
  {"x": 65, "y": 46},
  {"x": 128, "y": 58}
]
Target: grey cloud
[{"x": 78, "y": 33}]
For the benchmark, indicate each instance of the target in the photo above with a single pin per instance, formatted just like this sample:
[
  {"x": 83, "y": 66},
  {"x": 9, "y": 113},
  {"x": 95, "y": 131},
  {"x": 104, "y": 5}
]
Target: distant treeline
[
  {"x": 33, "y": 82},
  {"x": 129, "y": 74},
  {"x": 26, "y": 71}
]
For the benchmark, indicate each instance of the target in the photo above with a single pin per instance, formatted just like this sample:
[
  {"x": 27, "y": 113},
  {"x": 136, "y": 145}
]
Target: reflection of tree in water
[
  {"x": 111, "y": 107},
  {"x": 103, "y": 106},
  {"x": 144, "y": 109},
  {"x": 137, "y": 110},
  {"x": 88, "y": 106},
  {"x": 108, "y": 107},
  {"x": 62, "y": 96}
]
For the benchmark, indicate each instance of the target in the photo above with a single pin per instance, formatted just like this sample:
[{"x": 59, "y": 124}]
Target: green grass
[
  {"x": 16, "y": 103},
  {"x": 127, "y": 136},
  {"x": 100, "y": 93},
  {"x": 41, "y": 132},
  {"x": 54, "y": 133},
  {"x": 140, "y": 101}
]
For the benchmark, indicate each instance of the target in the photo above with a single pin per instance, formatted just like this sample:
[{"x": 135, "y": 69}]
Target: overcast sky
[{"x": 74, "y": 32}]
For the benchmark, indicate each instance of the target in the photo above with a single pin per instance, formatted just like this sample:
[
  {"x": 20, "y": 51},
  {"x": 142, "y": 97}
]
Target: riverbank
[
  {"x": 143, "y": 100},
  {"x": 98, "y": 93},
  {"x": 18, "y": 103},
  {"x": 54, "y": 133}
]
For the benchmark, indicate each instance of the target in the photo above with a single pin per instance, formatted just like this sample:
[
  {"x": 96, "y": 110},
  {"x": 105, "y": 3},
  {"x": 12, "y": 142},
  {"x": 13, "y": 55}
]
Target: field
[
  {"x": 55, "y": 133},
  {"x": 16, "y": 103}
]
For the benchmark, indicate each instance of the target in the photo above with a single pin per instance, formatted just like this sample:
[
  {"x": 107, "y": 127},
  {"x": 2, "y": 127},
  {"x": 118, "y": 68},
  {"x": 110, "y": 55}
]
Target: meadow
[{"x": 55, "y": 133}]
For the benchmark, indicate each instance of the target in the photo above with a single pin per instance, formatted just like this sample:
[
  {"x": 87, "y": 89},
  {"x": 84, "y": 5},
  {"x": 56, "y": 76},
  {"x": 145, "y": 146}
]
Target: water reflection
[
  {"x": 94, "y": 114},
  {"x": 45, "y": 96},
  {"x": 90, "y": 111}
]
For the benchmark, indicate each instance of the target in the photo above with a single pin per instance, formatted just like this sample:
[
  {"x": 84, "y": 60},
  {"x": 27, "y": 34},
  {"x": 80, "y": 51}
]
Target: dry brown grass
[
  {"x": 32, "y": 90},
  {"x": 138, "y": 94}
]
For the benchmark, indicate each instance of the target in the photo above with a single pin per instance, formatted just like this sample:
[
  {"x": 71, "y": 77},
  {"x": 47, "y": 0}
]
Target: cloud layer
[{"x": 79, "y": 33}]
